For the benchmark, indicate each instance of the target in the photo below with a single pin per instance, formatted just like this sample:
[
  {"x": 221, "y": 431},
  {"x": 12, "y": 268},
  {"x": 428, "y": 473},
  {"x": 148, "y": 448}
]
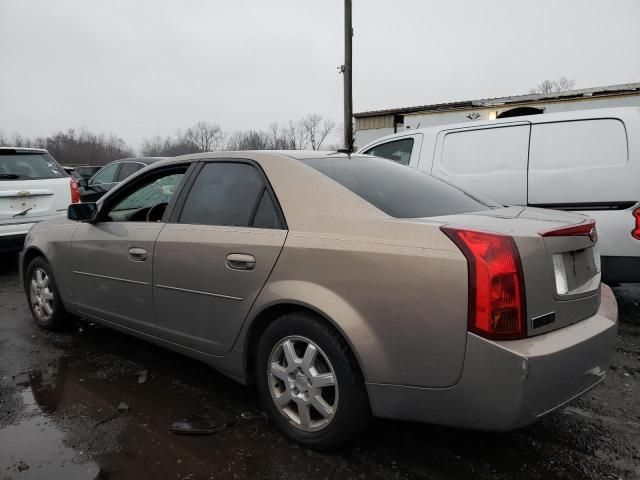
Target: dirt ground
[{"x": 72, "y": 407}]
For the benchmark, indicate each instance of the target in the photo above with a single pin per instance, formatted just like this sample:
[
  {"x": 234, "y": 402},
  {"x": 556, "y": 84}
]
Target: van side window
[
  {"x": 582, "y": 143},
  {"x": 399, "y": 151},
  {"x": 486, "y": 150}
]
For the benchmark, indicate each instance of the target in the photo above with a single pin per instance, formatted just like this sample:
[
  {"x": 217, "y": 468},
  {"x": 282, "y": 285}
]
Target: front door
[
  {"x": 212, "y": 262},
  {"x": 113, "y": 257}
]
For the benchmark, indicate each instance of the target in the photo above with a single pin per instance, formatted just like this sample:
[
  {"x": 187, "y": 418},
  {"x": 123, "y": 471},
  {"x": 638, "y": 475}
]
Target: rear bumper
[
  {"x": 508, "y": 385},
  {"x": 621, "y": 269}
]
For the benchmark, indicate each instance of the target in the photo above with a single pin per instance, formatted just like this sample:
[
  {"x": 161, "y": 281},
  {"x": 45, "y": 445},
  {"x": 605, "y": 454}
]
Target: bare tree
[
  {"x": 294, "y": 136},
  {"x": 561, "y": 84},
  {"x": 205, "y": 136},
  {"x": 316, "y": 129},
  {"x": 4, "y": 141},
  {"x": 169, "y": 146},
  {"x": 249, "y": 140}
]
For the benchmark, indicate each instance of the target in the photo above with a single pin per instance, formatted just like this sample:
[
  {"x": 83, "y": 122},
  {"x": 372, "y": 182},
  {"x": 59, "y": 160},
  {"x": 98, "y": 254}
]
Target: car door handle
[
  {"x": 241, "y": 261},
  {"x": 137, "y": 254}
]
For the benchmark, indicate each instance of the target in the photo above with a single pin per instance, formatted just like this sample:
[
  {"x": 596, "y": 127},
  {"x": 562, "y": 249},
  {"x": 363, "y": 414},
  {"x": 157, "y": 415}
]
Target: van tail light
[
  {"x": 586, "y": 228},
  {"x": 497, "y": 306},
  {"x": 635, "y": 233},
  {"x": 75, "y": 191}
]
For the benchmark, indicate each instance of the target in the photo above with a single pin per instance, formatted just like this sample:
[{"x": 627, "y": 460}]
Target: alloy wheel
[
  {"x": 303, "y": 383},
  {"x": 41, "y": 295}
]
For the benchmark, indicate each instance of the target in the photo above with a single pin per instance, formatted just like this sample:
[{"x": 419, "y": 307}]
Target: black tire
[
  {"x": 352, "y": 411},
  {"x": 59, "y": 318}
]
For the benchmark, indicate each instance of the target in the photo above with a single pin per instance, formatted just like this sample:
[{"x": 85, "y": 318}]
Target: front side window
[
  {"x": 399, "y": 151},
  {"x": 230, "y": 194},
  {"x": 158, "y": 191},
  {"x": 106, "y": 175},
  {"x": 396, "y": 190},
  {"x": 28, "y": 166}
]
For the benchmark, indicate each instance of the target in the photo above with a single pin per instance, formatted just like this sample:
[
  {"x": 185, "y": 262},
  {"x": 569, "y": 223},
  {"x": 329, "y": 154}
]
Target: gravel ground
[{"x": 71, "y": 406}]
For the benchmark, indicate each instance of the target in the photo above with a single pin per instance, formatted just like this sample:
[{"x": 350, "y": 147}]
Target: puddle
[{"x": 36, "y": 449}]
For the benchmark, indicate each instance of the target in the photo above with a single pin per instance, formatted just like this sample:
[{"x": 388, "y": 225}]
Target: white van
[
  {"x": 586, "y": 161},
  {"x": 33, "y": 187}
]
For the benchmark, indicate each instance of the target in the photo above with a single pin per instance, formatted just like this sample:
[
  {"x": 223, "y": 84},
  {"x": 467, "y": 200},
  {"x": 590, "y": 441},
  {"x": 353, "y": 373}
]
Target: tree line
[{"x": 82, "y": 147}]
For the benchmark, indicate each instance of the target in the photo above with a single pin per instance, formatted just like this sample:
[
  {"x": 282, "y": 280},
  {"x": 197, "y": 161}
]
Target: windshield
[
  {"x": 28, "y": 166},
  {"x": 397, "y": 190}
]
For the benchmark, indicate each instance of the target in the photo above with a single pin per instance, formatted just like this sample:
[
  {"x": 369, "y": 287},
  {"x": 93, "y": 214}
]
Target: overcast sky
[{"x": 139, "y": 68}]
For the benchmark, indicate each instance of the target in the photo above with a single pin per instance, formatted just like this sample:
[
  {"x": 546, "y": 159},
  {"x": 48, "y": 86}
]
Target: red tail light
[
  {"x": 635, "y": 233},
  {"x": 586, "y": 228},
  {"x": 75, "y": 192},
  {"x": 496, "y": 287}
]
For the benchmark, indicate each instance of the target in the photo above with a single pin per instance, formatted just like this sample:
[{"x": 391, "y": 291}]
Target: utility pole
[{"x": 347, "y": 72}]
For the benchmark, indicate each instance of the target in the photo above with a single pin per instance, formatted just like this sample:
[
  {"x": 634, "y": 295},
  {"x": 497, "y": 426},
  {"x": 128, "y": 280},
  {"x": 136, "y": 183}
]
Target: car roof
[
  {"x": 257, "y": 155},
  {"x": 145, "y": 160},
  {"x": 25, "y": 149}
]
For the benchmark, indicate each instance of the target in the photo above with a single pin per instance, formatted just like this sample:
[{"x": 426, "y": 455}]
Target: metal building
[{"x": 378, "y": 123}]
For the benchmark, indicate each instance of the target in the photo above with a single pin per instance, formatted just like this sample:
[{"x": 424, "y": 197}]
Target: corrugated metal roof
[{"x": 624, "y": 88}]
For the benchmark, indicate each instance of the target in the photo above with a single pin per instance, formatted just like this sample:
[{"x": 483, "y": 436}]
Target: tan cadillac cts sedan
[{"x": 343, "y": 287}]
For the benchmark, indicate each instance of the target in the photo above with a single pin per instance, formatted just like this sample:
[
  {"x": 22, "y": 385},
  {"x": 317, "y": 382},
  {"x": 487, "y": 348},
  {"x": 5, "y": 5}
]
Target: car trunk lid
[{"x": 560, "y": 261}]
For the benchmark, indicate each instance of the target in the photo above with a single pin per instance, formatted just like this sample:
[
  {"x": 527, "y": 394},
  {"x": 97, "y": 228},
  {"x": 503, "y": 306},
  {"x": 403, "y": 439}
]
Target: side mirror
[
  {"x": 83, "y": 182},
  {"x": 82, "y": 212}
]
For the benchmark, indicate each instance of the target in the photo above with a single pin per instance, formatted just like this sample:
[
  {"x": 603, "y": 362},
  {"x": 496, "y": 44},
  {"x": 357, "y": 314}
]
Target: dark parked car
[
  {"x": 87, "y": 171},
  {"x": 71, "y": 171},
  {"x": 110, "y": 175}
]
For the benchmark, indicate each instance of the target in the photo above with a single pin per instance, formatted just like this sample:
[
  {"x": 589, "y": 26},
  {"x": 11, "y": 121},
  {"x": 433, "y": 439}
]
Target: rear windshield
[
  {"x": 28, "y": 166},
  {"x": 397, "y": 190}
]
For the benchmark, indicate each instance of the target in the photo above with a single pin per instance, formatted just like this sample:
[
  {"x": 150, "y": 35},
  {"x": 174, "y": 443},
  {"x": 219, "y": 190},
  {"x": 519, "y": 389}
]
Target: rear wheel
[
  {"x": 309, "y": 382},
  {"x": 44, "y": 299}
]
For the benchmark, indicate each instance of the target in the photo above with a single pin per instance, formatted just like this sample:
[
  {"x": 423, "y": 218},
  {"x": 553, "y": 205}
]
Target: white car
[
  {"x": 587, "y": 161},
  {"x": 33, "y": 187}
]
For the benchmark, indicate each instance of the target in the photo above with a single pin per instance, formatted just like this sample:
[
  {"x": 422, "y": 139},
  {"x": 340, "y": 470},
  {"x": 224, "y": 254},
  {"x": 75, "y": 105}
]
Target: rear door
[
  {"x": 32, "y": 186},
  {"x": 491, "y": 161},
  {"x": 213, "y": 258}
]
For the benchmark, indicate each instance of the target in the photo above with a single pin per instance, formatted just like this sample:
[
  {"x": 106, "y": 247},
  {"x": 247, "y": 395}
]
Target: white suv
[{"x": 33, "y": 187}]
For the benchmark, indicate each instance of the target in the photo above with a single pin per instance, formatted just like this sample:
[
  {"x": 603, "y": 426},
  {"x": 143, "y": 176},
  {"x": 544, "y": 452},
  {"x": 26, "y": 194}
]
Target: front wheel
[
  {"x": 44, "y": 299},
  {"x": 309, "y": 382}
]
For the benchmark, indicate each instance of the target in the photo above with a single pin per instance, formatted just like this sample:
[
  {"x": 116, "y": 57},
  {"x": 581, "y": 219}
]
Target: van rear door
[{"x": 489, "y": 160}]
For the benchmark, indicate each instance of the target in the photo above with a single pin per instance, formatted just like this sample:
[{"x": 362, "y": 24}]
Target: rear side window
[
  {"x": 28, "y": 166},
  {"x": 127, "y": 169},
  {"x": 486, "y": 150},
  {"x": 106, "y": 175},
  {"x": 578, "y": 144},
  {"x": 399, "y": 151},
  {"x": 398, "y": 191},
  {"x": 230, "y": 194}
]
